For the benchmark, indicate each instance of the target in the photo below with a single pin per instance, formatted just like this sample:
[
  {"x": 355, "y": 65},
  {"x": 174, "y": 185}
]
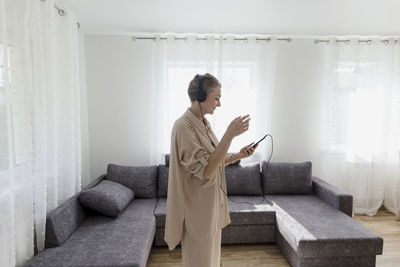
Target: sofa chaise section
[
  {"x": 105, "y": 241},
  {"x": 310, "y": 232},
  {"x": 313, "y": 219},
  {"x": 77, "y": 236}
]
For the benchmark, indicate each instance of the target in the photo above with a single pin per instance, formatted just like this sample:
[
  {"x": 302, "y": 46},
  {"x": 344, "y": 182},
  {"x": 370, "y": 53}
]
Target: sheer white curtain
[
  {"x": 245, "y": 70},
  {"x": 39, "y": 122},
  {"x": 362, "y": 129}
]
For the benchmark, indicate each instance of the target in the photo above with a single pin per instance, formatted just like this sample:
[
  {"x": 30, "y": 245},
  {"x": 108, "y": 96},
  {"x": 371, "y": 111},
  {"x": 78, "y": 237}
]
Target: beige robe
[{"x": 192, "y": 199}]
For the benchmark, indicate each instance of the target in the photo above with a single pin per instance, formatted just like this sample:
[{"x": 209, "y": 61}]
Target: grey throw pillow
[
  {"x": 243, "y": 179},
  {"x": 107, "y": 198},
  {"x": 141, "y": 180},
  {"x": 286, "y": 178}
]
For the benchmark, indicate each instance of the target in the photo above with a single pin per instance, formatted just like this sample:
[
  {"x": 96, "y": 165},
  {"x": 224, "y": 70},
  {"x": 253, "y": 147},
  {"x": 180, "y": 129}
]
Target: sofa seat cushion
[
  {"x": 106, "y": 241},
  {"x": 250, "y": 214},
  {"x": 313, "y": 228},
  {"x": 240, "y": 213}
]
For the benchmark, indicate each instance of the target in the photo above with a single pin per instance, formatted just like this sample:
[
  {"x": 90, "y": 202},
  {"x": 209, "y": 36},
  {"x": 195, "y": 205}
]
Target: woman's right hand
[{"x": 238, "y": 126}]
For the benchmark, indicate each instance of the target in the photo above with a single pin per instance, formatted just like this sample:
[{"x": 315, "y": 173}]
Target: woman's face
[{"x": 212, "y": 101}]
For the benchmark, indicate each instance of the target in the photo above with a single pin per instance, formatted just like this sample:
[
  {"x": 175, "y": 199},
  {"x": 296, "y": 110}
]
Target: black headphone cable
[{"x": 266, "y": 169}]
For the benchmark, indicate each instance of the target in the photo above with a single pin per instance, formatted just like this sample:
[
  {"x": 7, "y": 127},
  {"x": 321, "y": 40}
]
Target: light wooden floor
[{"x": 384, "y": 224}]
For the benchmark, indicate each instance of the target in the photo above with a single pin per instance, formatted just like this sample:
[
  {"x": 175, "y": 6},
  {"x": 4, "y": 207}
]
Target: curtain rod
[
  {"x": 61, "y": 12},
  {"x": 345, "y": 40},
  {"x": 134, "y": 38}
]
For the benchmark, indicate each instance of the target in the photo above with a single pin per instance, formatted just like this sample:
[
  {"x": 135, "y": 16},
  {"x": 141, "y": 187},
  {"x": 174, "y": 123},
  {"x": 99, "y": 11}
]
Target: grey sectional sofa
[{"x": 309, "y": 219}]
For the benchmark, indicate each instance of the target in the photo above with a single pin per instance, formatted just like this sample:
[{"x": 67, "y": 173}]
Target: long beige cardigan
[{"x": 192, "y": 199}]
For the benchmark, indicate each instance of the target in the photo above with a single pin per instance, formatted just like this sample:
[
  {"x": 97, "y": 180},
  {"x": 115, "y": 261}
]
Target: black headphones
[{"x": 201, "y": 94}]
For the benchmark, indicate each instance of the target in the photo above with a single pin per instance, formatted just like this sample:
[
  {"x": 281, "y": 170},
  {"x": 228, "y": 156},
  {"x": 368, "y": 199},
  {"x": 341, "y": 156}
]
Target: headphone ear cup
[{"x": 201, "y": 95}]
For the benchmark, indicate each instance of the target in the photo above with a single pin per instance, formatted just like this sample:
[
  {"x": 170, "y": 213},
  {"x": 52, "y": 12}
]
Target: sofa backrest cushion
[
  {"x": 244, "y": 179},
  {"x": 287, "y": 178},
  {"x": 167, "y": 160},
  {"x": 141, "y": 180},
  {"x": 108, "y": 198},
  {"x": 162, "y": 188},
  {"x": 65, "y": 219}
]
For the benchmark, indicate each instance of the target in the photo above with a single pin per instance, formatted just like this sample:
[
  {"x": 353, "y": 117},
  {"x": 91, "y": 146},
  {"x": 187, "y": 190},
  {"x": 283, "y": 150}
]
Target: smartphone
[{"x": 260, "y": 140}]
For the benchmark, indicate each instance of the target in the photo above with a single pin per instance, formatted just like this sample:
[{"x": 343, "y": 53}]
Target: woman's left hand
[{"x": 247, "y": 151}]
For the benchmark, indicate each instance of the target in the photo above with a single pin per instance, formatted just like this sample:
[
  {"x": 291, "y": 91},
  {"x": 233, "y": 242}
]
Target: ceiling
[{"x": 284, "y": 17}]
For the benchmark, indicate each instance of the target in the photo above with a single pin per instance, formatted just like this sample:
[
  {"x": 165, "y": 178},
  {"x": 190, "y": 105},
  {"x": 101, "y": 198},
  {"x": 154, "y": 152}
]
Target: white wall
[
  {"x": 298, "y": 84},
  {"x": 85, "y": 164},
  {"x": 118, "y": 82},
  {"x": 119, "y": 79}
]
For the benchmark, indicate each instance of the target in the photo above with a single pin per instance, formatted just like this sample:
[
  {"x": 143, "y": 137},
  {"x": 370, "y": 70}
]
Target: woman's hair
[{"x": 209, "y": 83}]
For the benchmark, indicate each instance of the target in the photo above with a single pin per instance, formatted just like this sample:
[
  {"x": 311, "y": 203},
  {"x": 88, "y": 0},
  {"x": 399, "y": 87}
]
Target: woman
[{"x": 197, "y": 207}]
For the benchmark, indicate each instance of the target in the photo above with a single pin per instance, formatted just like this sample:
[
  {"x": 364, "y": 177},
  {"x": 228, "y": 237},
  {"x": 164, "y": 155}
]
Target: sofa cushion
[
  {"x": 162, "y": 188},
  {"x": 259, "y": 212},
  {"x": 315, "y": 229},
  {"x": 108, "y": 198},
  {"x": 106, "y": 241},
  {"x": 167, "y": 159},
  {"x": 66, "y": 218},
  {"x": 240, "y": 213},
  {"x": 141, "y": 180},
  {"x": 286, "y": 178},
  {"x": 243, "y": 179}
]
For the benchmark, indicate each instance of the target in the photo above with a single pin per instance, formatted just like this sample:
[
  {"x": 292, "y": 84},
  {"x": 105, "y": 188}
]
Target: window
[
  {"x": 13, "y": 118},
  {"x": 360, "y": 108}
]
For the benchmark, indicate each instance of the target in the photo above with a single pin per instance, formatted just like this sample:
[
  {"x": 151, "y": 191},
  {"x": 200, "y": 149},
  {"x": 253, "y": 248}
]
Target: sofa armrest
[
  {"x": 66, "y": 218},
  {"x": 333, "y": 196}
]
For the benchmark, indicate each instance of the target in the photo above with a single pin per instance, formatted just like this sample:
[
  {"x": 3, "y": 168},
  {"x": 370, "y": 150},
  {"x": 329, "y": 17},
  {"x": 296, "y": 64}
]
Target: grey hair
[{"x": 209, "y": 83}]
